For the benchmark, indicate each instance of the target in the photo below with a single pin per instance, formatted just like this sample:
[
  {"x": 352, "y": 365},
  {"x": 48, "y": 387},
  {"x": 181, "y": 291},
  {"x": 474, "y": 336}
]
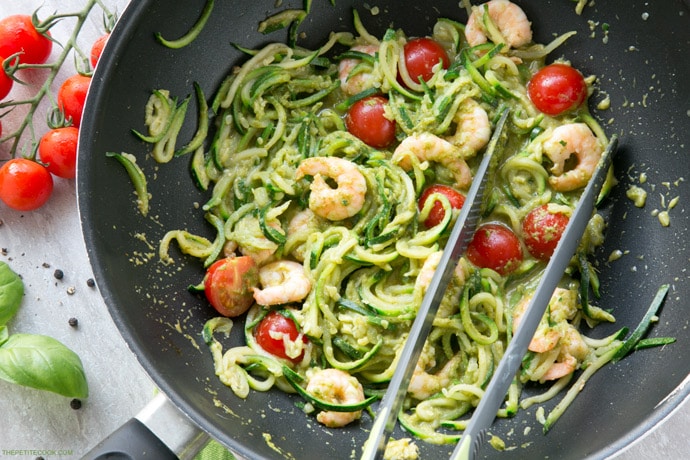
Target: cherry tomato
[
  {"x": 495, "y": 246},
  {"x": 25, "y": 185},
  {"x": 366, "y": 120},
  {"x": 58, "y": 151},
  {"x": 557, "y": 88},
  {"x": 71, "y": 97},
  {"x": 542, "y": 230},
  {"x": 97, "y": 48},
  {"x": 270, "y": 332},
  {"x": 229, "y": 284},
  {"x": 18, "y": 35},
  {"x": 421, "y": 55},
  {"x": 5, "y": 84},
  {"x": 437, "y": 212}
]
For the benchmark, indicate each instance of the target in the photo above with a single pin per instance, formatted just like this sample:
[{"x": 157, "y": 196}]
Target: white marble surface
[{"x": 34, "y": 423}]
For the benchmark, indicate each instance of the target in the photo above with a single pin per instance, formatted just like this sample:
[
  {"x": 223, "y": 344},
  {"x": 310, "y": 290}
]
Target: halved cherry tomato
[
  {"x": 5, "y": 84},
  {"x": 71, "y": 97},
  {"x": 18, "y": 35},
  {"x": 58, "y": 151},
  {"x": 97, "y": 48},
  {"x": 542, "y": 230},
  {"x": 25, "y": 185},
  {"x": 437, "y": 212},
  {"x": 421, "y": 55},
  {"x": 557, "y": 88},
  {"x": 366, "y": 120},
  {"x": 229, "y": 284},
  {"x": 495, "y": 246},
  {"x": 271, "y": 331}
]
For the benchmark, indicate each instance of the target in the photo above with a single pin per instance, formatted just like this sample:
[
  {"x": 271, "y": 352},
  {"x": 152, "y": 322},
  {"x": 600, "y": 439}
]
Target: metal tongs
[
  {"x": 465, "y": 225},
  {"x": 483, "y": 416},
  {"x": 463, "y": 230}
]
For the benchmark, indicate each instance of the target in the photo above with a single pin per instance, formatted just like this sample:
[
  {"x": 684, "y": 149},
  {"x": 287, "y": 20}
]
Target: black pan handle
[
  {"x": 160, "y": 431},
  {"x": 132, "y": 441}
]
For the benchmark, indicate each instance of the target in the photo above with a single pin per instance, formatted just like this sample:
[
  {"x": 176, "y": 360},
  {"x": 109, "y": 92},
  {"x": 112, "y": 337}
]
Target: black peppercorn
[
  {"x": 58, "y": 274},
  {"x": 75, "y": 404}
]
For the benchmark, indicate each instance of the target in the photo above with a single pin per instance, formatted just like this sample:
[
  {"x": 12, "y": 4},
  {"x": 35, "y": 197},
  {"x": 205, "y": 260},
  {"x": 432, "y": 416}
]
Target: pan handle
[{"x": 160, "y": 431}]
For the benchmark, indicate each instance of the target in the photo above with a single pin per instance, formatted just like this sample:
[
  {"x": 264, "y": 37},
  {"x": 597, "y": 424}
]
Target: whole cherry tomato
[
  {"x": 58, "y": 151},
  {"x": 18, "y": 35},
  {"x": 495, "y": 246},
  {"x": 437, "y": 212},
  {"x": 271, "y": 332},
  {"x": 229, "y": 284},
  {"x": 557, "y": 88},
  {"x": 5, "y": 84},
  {"x": 71, "y": 97},
  {"x": 25, "y": 185},
  {"x": 542, "y": 230},
  {"x": 421, "y": 55},
  {"x": 366, "y": 120},
  {"x": 97, "y": 48}
]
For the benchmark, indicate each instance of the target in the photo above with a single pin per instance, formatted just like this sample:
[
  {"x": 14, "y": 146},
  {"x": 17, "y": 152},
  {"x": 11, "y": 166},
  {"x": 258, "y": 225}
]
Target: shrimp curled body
[
  {"x": 336, "y": 387},
  {"x": 283, "y": 281},
  {"x": 473, "y": 128},
  {"x": 562, "y": 337},
  {"x": 509, "y": 18},
  {"x": 354, "y": 78},
  {"x": 334, "y": 204},
  {"x": 574, "y": 139},
  {"x": 429, "y": 147}
]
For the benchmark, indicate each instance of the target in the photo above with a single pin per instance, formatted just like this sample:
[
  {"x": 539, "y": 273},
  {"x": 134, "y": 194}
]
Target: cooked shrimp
[
  {"x": 573, "y": 351},
  {"x": 510, "y": 20},
  {"x": 428, "y": 147},
  {"x": 249, "y": 239},
  {"x": 283, "y": 281},
  {"x": 561, "y": 308},
  {"x": 556, "y": 332},
  {"x": 337, "y": 387},
  {"x": 423, "y": 385},
  {"x": 566, "y": 141},
  {"x": 334, "y": 204},
  {"x": 300, "y": 227},
  {"x": 427, "y": 271},
  {"x": 429, "y": 268},
  {"x": 354, "y": 80},
  {"x": 473, "y": 129}
]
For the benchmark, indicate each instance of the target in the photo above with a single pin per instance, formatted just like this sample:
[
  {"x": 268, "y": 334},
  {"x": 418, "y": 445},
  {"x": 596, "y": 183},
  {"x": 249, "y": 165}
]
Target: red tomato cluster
[
  {"x": 229, "y": 287},
  {"x": 26, "y": 184},
  {"x": 497, "y": 247},
  {"x": 366, "y": 118},
  {"x": 20, "y": 40}
]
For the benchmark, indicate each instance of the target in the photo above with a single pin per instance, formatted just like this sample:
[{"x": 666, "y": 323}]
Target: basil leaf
[
  {"x": 4, "y": 334},
  {"x": 42, "y": 362},
  {"x": 11, "y": 293}
]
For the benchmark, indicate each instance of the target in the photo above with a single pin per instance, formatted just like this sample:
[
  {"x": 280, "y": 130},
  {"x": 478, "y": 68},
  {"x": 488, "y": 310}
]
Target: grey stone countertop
[{"x": 36, "y": 244}]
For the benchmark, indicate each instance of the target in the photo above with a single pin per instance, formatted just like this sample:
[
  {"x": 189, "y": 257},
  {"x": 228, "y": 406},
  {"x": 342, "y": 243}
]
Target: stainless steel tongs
[
  {"x": 465, "y": 225},
  {"x": 462, "y": 232}
]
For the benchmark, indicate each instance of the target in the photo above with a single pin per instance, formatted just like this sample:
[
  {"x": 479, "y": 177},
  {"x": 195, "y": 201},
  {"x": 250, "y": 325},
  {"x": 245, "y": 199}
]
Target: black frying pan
[{"x": 642, "y": 63}]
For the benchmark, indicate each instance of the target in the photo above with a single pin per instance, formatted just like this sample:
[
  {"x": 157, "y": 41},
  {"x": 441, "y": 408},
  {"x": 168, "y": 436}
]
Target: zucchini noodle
[{"x": 369, "y": 271}]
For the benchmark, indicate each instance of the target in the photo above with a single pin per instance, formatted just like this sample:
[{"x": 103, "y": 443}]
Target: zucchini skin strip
[{"x": 194, "y": 32}]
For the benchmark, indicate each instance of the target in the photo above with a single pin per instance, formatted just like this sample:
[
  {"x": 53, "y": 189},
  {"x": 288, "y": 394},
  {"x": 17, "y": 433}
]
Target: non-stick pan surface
[{"x": 638, "y": 49}]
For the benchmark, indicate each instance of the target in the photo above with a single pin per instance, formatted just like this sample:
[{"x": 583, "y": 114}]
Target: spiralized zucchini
[{"x": 285, "y": 105}]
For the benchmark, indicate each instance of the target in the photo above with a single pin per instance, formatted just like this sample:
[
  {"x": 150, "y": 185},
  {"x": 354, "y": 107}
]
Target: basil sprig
[{"x": 33, "y": 360}]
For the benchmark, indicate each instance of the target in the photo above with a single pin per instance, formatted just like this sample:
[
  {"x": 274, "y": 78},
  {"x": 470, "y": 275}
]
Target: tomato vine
[{"x": 15, "y": 135}]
